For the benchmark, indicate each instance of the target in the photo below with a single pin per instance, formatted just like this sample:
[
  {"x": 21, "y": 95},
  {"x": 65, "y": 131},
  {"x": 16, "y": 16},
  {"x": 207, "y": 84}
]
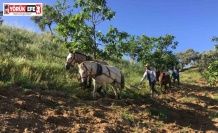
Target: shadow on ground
[{"x": 185, "y": 109}]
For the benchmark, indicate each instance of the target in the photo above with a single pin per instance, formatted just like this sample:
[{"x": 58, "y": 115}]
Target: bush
[{"x": 212, "y": 73}]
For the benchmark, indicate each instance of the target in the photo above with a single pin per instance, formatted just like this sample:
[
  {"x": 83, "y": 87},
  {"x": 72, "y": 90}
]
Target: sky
[{"x": 192, "y": 22}]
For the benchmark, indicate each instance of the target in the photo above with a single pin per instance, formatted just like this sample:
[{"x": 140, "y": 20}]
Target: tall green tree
[
  {"x": 49, "y": 17},
  {"x": 1, "y": 20},
  {"x": 215, "y": 39},
  {"x": 206, "y": 58},
  {"x": 115, "y": 42},
  {"x": 94, "y": 12},
  {"x": 209, "y": 63},
  {"x": 211, "y": 75},
  {"x": 187, "y": 57},
  {"x": 132, "y": 47},
  {"x": 158, "y": 51}
]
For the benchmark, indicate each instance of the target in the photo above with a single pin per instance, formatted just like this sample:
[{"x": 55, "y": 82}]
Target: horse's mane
[{"x": 76, "y": 52}]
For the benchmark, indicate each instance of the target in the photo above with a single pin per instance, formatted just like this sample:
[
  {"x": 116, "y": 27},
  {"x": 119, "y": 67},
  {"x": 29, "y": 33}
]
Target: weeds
[
  {"x": 213, "y": 115},
  {"x": 161, "y": 112},
  {"x": 126, "y": 115},
  {"x": 216, "y": 97}
]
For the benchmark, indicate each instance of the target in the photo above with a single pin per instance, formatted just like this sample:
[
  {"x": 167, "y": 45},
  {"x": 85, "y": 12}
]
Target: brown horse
[{"x": 164, "y": 79}]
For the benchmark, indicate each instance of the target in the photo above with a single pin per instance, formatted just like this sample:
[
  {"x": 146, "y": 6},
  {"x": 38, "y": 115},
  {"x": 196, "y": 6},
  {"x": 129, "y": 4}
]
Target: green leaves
[
  {"x": 80, "y": 32},
  {"x": 115, "y": 42},
  {"x": 93, "y": 13},
  {"x": 50, "y": 16},
  {"x": 212, "y": 73},
  {"x": 157, "y": 51}
]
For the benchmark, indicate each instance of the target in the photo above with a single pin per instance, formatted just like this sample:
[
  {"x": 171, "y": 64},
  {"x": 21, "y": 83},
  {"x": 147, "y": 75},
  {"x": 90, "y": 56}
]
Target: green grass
[
  {"x": 213, "y": 115},
  {"x": 31, "y": 60},
  {"x": 190, "y": 76},
  {"x": 216, "y": 97},
  {"x": 130, "y": 117},
  {"x": 161, "y": 112}
]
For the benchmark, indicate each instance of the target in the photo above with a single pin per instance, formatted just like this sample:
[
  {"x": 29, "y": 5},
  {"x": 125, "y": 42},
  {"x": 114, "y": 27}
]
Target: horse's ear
[
  {"x": 70, "y": 51},
  {"x": 81, "y": 64}
]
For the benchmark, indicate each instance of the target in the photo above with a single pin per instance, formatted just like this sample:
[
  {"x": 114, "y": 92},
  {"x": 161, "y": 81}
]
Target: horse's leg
[
  {"x": 94, "y": 88},
  {"x": 85, "y": 84},
  {"x": 170, "y": 85},
  {"x": 90, "y": 83},
  {"x": 165, "y": 88},
  {"x": 104, "y": 88},
  {"x": 120, "y": 90},
  {"x": 115, "y": 90},
  {"x": 99, "y": 89},
  {"x": 160, "y": 86}
]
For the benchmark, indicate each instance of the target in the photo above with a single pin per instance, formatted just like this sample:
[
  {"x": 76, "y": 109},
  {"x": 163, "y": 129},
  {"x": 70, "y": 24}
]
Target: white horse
[
  {"x": 77, "y": 57},
  {"x": 102, "y": 74}
]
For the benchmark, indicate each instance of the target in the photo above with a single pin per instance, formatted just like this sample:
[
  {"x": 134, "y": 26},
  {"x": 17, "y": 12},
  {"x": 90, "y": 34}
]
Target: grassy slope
[
  {"x": 192, "y": 76},
  {"x": 31, "y": 61}
]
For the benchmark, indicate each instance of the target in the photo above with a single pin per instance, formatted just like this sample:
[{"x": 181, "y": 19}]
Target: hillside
[{"x": 37, "y": 94}]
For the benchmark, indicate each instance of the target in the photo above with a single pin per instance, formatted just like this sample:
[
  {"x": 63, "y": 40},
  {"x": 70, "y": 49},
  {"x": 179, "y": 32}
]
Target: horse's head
[
  {"x": 164, "y": 76},
  {"x": 71, "y": 60}
]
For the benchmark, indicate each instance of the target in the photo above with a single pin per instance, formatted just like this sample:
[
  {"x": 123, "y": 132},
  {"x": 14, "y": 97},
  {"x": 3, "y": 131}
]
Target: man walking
[
  {"x": 175, "y": 76},
  {"x": 151, "y": 76}
]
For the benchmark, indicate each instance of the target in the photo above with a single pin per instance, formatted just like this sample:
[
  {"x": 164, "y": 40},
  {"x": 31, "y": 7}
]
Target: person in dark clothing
[{"x": 176, "y": 76}]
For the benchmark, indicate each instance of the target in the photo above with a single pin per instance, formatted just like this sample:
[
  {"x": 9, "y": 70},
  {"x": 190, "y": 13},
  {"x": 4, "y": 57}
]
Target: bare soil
[{"x": 188, "y": 109}]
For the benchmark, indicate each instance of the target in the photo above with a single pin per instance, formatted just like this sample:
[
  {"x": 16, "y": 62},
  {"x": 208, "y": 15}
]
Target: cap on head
[{"x": 146, "y": 65}]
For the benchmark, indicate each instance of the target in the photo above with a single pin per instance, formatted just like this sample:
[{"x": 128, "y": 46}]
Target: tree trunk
[
  {"x": 132, "y": 59},
  {"x": 95, "y": 48},
  {"x": 1, "y": 21},
  {"x": 49, "y": 26}
]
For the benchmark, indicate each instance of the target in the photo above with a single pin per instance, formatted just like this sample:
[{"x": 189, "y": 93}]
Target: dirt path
[{"x": 191, "y": 109}]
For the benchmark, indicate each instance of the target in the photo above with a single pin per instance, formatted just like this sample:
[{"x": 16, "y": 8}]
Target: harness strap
[
  {"x": 109, "y": 71},
  {"x": 88, "y": 58},
  {"x": 86, "y": 70},
  {"x": 98, "y": 70},
  {"x": 109, "y": 76}
]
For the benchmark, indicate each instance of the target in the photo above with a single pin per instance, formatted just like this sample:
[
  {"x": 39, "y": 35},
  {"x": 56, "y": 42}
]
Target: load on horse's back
[{"x": 102, "y": 75}]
